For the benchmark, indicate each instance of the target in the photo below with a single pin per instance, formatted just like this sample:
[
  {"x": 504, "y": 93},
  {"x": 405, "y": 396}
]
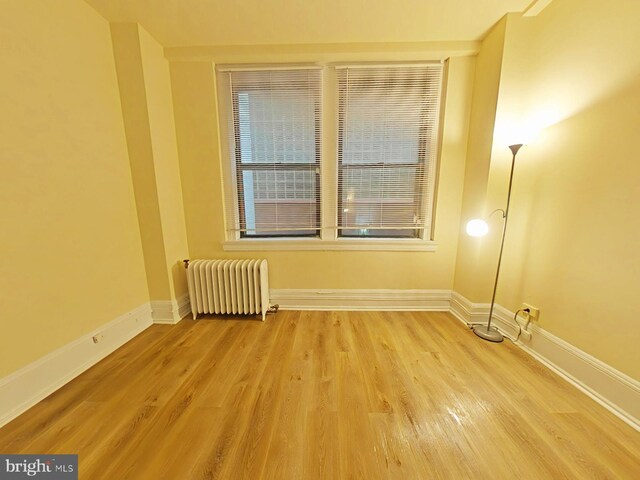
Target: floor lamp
[{"x": 477, "y": 228}]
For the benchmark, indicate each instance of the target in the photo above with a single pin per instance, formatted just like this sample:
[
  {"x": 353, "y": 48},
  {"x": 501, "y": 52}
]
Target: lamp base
[{"x": 488, "y": 333}]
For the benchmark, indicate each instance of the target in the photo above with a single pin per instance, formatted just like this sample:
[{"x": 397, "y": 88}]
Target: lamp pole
[{"x": 485, "y": 331}]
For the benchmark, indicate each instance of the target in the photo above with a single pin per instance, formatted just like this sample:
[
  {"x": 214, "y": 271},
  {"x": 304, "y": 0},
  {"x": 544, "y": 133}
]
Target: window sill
[{"x": 315, "y": 244}]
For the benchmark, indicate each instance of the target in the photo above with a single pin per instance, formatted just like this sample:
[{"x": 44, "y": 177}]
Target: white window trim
[
  {"x": 328, "y": 239},
  {"x": 319, "y": 244}
]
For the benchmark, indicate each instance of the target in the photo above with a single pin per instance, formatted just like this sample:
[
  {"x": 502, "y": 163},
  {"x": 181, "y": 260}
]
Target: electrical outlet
[
  {"x": 98, "y": 338},
  {"x": 534, "y": 312}
]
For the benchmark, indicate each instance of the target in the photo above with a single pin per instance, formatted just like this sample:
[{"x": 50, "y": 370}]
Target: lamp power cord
[{"x": 515, "y": 320}]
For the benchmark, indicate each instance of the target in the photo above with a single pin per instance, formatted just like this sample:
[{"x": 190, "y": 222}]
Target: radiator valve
[{"x": 273, "y": 308}]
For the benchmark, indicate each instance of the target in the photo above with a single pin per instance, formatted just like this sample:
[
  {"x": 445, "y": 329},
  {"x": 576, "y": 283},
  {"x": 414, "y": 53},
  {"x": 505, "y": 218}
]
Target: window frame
[
  {"x": 425, "y": 191},
  {"x": 327, "y": 237},
  {"x": 233, "y": 167}
]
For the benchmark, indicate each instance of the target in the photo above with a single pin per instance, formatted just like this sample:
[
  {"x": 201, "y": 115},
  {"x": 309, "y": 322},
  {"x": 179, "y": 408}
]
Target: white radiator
[{"x": 228, "y": 286}]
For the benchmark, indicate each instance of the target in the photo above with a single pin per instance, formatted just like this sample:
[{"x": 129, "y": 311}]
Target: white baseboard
[
  {"x": 170, "y": 311},
  {"x": 184, "y": 306},
  {"x": 614, "y": 390},
  {"x": 24, "y": 388},
  {"x": 381, "y": 300},
  {"x": 478, "y": 313},
  {"x": 618, "y": 392},
  {"x": 466, "y": 311}
]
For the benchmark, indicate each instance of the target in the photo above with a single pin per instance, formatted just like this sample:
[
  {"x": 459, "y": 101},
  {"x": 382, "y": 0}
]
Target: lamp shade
[{"x": 477, "y": 228}]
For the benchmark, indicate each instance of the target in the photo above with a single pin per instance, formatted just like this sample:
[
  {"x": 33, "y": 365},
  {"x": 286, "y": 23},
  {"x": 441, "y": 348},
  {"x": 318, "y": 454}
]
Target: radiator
[{"x": 228, "y": 286}]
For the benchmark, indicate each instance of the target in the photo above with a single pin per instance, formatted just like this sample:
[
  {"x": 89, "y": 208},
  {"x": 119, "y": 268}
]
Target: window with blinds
[
  {"x": 387, "y": 148},
  {"x": 275, "y": 150}
]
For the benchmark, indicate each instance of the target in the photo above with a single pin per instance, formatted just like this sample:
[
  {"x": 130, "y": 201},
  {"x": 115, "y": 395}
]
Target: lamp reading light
[{"x": 477, "y": 228}]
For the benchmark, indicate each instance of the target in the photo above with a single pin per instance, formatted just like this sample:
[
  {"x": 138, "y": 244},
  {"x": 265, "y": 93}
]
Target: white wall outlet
[
  {"x": 98, "y": 338},
  {"x": 534, "y": 312}
]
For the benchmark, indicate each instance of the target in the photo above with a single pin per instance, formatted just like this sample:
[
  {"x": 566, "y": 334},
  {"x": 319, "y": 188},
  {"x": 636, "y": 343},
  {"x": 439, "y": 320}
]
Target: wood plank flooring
[{"x": 325, "y": 395}]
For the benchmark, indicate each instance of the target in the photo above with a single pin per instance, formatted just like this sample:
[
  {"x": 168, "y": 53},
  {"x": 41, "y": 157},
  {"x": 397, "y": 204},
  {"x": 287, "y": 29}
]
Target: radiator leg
[{"x": 271, "y": 309}]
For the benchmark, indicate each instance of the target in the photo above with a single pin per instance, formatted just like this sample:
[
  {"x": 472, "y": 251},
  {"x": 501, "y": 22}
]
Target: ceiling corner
[{"x": 536, "y": 7}]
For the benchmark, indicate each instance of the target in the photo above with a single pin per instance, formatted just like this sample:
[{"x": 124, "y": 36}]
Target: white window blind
[
  {"x": 387, "y": 148},
  {"x": 275, "y": 151}
]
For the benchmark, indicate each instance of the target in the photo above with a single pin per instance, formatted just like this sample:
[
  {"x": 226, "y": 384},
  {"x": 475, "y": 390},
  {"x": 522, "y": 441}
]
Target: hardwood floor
[{"x": 327, "y": 395}]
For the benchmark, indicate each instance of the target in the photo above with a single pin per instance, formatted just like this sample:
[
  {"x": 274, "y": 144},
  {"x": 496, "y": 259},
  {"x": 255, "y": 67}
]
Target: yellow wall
[
  {"x": 71, "y": 253},
  {"x": 194, "y": 103},
  {"x": 128, "y": 57},
  {"x": 165, "y": 154},
  {"x": 199, "y": 147},
  {"x": 145, "y": 90},
  {"x": 471, "y": 265},
  {"x": 571, "y": 247}
]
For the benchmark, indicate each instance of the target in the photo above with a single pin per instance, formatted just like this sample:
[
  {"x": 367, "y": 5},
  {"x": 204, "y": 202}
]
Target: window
[
  {"x": 275, "y": 147},
  {"x": 373, "y": 188},
  {"x": 387, "y": 134}
]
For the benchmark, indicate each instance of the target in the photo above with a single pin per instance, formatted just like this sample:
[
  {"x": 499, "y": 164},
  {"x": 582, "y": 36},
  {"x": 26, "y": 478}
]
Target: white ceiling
[{"x": 263, "y": 22}]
